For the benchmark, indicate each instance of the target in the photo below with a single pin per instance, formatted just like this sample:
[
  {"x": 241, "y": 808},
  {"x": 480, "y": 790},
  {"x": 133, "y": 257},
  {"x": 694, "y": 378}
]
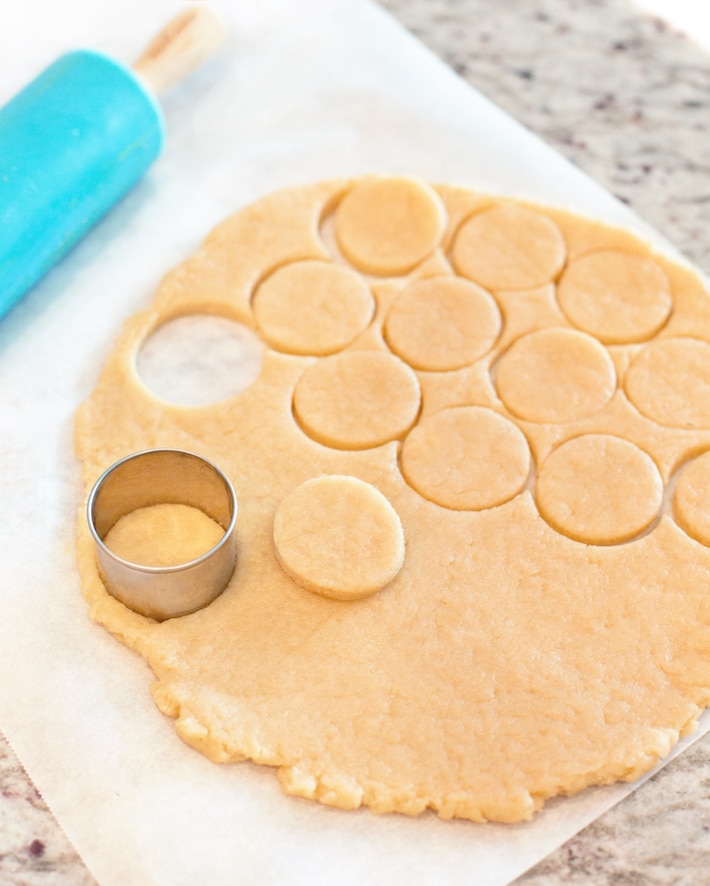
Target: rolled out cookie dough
[{"x": 533, "y": 616}]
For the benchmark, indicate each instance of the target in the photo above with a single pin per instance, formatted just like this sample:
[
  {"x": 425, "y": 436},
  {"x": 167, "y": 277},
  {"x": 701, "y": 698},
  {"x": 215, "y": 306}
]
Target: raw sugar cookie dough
[{"x": 473, "y": 540}]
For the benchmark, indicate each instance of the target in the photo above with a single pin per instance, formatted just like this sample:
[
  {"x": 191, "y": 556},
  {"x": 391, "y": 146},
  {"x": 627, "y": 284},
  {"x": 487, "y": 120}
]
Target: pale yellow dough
[
  {"x": 442, "y": 323},
  {"x": 691, "y": 498},
  {"x": 599, "y": 489},
  {"x": 312, "y": 307},
  {"x": 618, "y": 296},
  {"x": 163, "y": 535},
  {"x": 542, "y": 623},
  {"x": 387, "y": 226},
  {"x": 357, "y": 400},
  {"x": 669, "y": 382},
  {"x": 339, "y": 537},
  {"x": 555, "y": 375},
  {"x": 466, "y": 458},
  {"x": 509, "y": 247}
]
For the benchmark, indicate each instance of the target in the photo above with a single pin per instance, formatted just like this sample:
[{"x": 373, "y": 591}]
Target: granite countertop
[{"x": 627, "y": 99}]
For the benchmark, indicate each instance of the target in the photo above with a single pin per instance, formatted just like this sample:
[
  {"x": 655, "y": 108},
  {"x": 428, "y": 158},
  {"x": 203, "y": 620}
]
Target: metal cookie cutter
[{"x": 159, "y": 476}]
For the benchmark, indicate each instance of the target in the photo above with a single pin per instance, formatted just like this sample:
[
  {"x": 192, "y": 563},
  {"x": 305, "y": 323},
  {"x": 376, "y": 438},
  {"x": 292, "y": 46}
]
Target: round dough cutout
[
  {"x": 312, "y": 308},
  {"x": 669, "y": 382},
  {"x": 509, "y": 247},
  {"x": 466, "y": 458},
  {"x": 691, "y": 502},
  {"x": 386, "y": 226},
  {"x": 599, "y": 489},
  {"x": 357, "y": 399},
  {"x": 339, "y": 537},
  {"x": 555, "y": 375},
  {"x": 619, "y": 297},
  {"x": 199, "y": 359},
  {"x": 442, "y": 323},
  {"x": 163, "y": 535}
]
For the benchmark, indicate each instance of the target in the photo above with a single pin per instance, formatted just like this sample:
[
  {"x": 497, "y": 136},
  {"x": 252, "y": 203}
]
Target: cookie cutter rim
[{"x": 162, "y": 592}]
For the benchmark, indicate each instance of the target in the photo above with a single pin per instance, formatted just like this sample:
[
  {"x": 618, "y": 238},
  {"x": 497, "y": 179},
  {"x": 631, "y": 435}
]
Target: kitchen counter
[{"x": 627, "y": 99}]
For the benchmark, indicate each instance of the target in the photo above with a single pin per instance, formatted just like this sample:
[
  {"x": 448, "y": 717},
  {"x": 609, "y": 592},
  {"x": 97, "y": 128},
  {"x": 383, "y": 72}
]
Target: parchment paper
[{"x": 305, "y": 90}]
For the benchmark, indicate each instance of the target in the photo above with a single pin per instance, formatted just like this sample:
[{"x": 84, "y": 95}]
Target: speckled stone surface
[
  {"x": 627, "y": 100},
  {"x": 617, "y": 92},
  {"x": 33, "y": 848}
]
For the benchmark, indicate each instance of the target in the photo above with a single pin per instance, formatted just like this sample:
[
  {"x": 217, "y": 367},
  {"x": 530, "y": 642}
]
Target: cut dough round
[
  {"x": 669, "y": 382},
  {"x": 339, "y": 537},
  {"x": 357, "y": 399},
  {"x": 555, "y": 375},
  {"x": 163, "y": 535},
  {"x": 599, "y": 489},
  {"x": 617, "y": 296},
  {"x": 505, "y": 662},
  {"x": 691, "y": 501},
  {"x": 312, "y": 308},
  {"x": 466, "y": 458},
  {"x": 442, "y": 323},
  {"x": 509, "y": 247},
  {"x": 388, "y": 225}
]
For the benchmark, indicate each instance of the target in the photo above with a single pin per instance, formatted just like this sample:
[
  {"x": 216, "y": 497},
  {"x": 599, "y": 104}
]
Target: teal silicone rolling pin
[{"x": 77, "y": 138}]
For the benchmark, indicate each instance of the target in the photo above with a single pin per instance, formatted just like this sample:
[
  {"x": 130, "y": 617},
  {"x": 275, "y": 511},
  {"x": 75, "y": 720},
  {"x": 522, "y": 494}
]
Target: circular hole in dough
[
  {"x": 163, "y": 535},
  {"x": 466, "y": 458},
  {"x": 509, "y": 247},
  {"x": 442, "y": 323},
  {"x": 312, "y": 308},
  {"x": 199, "y": 359},
  {"x": 691, "y": 502},
  {"x": 387, "y": 226},
  {"x": 339, "y": 537},
  {"x": 357, "y": 399},
  {"x": 616, "y": 296},
  {"x": 599, "y": 489},
  {"x": 555, "y": 375},
  {"x": 669, "y": 382}
]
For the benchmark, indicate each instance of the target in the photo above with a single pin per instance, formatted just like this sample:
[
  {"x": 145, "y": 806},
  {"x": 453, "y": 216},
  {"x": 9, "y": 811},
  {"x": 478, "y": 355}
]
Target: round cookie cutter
[{"x": 164, "y": 476}]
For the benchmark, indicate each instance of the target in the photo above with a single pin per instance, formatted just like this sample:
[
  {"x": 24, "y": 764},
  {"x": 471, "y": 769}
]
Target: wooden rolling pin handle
[{"x": 181, "y": 47}]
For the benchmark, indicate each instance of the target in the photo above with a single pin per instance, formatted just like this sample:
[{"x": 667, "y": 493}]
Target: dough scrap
[{"x": 506, "y": 662}]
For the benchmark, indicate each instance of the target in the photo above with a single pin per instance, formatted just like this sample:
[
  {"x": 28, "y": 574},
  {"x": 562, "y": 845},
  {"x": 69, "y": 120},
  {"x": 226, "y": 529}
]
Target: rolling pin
[{"x": 77, "y": 138}]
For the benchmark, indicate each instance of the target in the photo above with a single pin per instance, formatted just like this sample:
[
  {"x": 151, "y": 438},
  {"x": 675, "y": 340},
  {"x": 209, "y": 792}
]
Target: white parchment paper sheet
[{"x": 306, "y": 89}]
